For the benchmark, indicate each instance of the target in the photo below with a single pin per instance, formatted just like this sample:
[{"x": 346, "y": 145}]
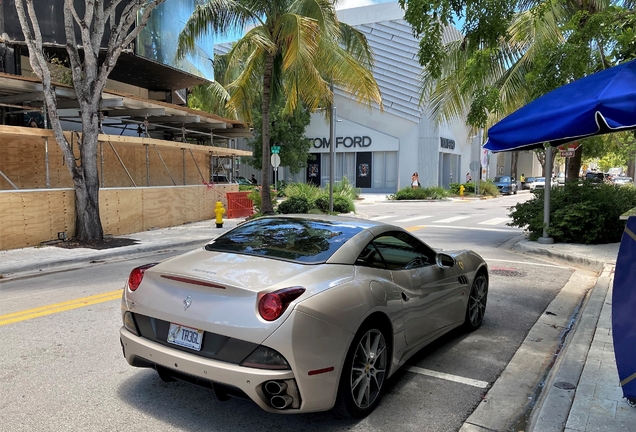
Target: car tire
[
  {"x": 476, "y": 305},
  {"x": 364, "y": 373}
]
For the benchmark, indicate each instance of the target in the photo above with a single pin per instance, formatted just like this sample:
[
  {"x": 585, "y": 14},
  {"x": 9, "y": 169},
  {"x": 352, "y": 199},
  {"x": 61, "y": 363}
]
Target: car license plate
[{"x": 185, "y": 336}]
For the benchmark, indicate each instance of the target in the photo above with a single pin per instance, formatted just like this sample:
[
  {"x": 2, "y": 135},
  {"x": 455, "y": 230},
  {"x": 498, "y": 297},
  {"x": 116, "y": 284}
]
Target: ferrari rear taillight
[
  {"x": 273, "y": 304},
  {"x": 137, "y": 274}
]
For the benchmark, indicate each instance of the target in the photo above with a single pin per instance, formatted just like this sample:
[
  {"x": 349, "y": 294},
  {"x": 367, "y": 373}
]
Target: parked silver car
[{"x": 299, "y": 313}]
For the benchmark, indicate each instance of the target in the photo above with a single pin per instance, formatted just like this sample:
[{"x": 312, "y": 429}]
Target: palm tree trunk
[{"x": 266, "y": 206}]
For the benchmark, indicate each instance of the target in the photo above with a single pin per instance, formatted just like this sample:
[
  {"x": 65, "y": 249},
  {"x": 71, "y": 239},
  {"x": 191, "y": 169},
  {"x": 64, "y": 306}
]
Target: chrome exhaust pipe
[
  {"x": 281, "y": 401},
  {"x": 275, "y": 387}
]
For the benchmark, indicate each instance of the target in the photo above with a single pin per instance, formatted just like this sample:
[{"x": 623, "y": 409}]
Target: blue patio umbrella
[
  {"x": 600, "y": 103},
  {"x": 597, "y": 104}
]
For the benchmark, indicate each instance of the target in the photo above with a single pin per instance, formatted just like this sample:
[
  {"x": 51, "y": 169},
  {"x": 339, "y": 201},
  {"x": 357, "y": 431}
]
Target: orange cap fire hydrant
[
  {"x": 219, "y": 210},
  {"x": 461, "y": 191}
]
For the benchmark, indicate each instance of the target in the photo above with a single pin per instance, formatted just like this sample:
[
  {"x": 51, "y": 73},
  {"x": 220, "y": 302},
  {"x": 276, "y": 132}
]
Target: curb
[
  {"x": 553, "y": 408},
  {"x": 90, "y": 257},
  {"x": 527, "y": 247},
  {"x": 512, "y": 397}
]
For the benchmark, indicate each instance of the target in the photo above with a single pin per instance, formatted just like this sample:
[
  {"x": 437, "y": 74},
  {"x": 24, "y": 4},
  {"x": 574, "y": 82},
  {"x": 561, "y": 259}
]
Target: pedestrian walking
[
  {"x": 253, "y": 180},
  {"x": 415, "y": 180},
  {"x": 469, "y": 178}
]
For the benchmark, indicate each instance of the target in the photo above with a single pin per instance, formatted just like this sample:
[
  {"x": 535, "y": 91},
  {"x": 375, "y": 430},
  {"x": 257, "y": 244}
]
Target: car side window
[
  {"x": 370, "y": 257},
  {"x": 396, "y": 251}
]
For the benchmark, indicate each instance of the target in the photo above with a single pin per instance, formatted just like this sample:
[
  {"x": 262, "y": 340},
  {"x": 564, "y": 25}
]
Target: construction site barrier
[{"x": 239, "y": 205}]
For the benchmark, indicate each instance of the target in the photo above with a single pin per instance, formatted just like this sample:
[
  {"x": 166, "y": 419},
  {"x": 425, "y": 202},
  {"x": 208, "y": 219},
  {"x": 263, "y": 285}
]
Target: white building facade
[{"x": 378, "y": 151}]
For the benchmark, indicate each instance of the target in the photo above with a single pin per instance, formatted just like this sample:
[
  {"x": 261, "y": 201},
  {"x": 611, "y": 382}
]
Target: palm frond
[
  {"x": 217, "y": 16},
  {"x": 356, "y": 44},
  {"x": 298, "y": 38}
]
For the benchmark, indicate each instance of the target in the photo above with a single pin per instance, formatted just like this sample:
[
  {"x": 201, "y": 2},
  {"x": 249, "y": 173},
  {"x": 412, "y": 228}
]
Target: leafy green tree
[
  {"x": 288, "y": 132},
  {"x": 294, "y": 49},
  {"x": 513, "y": 52}
]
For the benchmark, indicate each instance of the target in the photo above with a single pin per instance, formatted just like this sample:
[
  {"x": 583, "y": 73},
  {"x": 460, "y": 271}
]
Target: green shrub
[
  {"x": 322, "y": 203},
  {"x": 409, "y": 193},
  {"x": 469, "y": 187},
  {"x": 579, "y": 213},
  {"x": 346, "y": 189},
  {"x": 257, "y": 199},
  {"x": 341, "y": 204},
  {"x": 294, "y": 205},
  {"x": 487, "y": 187},
  {"x": 303, "y": 190},
  {"x": 281, "y": 185}
]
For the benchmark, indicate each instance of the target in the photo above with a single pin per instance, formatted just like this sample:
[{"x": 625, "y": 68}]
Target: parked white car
[
  {"x": 621, "y": 180},
  {"x": 539, "y": 183}
]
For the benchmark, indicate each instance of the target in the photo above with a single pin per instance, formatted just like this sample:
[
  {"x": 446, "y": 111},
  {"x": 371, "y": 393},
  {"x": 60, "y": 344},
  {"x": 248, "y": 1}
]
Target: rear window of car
[
  {"x": 302, "y": 240},
  {"x": 503, "y": 179}
]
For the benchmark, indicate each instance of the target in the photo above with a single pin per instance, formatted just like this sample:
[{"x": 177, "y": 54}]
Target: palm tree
[{"x": 295, "y": 49}]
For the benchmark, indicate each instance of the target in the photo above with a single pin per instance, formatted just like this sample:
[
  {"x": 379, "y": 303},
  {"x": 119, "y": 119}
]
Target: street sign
[
  {"x": 567, "y": 153},
  {"x": 275, "y": 149},
  {"x": 573, "y": 146},
  {"x": 275, "y": 160}
]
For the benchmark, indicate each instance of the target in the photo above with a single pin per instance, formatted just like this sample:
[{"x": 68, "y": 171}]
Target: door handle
[{"x": 404, "y": 296}]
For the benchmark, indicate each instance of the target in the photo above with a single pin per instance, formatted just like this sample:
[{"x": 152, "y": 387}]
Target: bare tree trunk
[
  {"x": 89, "y": 81},
  {"x": 266, "y": 206},
  {"x": 88, "y": 225},
  {"x": 541, "y": 157},
  {"x": 514, "y": 164},
  {"x": 631, "y": 162},
  {"x": 574, "y": 166}
]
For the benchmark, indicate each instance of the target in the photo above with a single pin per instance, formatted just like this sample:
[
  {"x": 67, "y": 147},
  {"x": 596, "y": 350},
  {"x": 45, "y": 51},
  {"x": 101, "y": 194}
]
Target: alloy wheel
[
  {"x": 477, "y": 301},
  {"x": 368, "y": 369}
]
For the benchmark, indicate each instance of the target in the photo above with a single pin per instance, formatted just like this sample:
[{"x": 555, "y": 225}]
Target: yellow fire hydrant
[
  {"x": 219, "y": 210},
  {"x": 461, "y": 191}
]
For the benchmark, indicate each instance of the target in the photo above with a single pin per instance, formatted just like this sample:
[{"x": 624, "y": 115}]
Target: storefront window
[{"x": 158, "y": 40}]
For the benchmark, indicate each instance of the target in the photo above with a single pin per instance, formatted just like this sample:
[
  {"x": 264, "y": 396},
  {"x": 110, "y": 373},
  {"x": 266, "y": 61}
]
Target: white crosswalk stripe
[
  {"x": 377, "y": 218},
  {"x": 495, "y": 221},
  {"x": 414, "y": 218},
  {"x": 452, "y": 219}
]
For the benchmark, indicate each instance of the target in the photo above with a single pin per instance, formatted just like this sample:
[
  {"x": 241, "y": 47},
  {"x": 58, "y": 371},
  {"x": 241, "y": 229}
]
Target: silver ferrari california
[{"x": 299, "y": 313}]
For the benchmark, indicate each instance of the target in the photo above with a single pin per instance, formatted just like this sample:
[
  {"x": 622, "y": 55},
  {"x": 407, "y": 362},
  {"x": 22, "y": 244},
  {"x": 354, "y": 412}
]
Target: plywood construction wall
[
  {"x": 23, "y": 161},
  {"x": 30, "y": 217}
]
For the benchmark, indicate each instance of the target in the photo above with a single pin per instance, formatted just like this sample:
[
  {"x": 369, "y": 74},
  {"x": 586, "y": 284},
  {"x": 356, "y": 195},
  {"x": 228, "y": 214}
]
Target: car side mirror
[{"x": 444, "y": 260}]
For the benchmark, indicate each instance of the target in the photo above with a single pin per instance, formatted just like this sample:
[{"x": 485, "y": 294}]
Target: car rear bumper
[{"x": 142, "y": 352}]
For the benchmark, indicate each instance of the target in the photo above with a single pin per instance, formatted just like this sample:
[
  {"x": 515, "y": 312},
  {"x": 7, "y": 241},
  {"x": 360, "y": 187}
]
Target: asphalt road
[{"x": 61, "y": 366}]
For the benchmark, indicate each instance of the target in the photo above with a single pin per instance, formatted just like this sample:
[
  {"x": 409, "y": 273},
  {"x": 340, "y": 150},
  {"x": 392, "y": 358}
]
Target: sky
[
  {"x": 347, "y": 4},
  {"x": 342, "y": 4}
]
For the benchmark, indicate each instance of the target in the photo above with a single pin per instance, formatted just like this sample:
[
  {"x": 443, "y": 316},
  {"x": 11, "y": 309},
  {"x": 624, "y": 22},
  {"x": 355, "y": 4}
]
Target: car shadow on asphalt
[{"x": 195, "y": 408}]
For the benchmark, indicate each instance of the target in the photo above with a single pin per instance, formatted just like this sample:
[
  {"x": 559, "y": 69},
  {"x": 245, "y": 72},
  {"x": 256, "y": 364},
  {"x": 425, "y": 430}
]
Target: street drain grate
[{"x": 507, "y": 272}]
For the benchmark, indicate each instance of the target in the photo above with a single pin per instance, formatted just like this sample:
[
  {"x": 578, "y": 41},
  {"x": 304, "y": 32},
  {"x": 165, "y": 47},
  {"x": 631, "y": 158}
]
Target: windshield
[
  {"x": 302, "y": 240},
  {"x": 502, "y": 179}
]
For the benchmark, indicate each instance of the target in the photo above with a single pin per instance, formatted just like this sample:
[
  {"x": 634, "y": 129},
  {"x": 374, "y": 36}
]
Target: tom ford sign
[{"x": 347, "y": 142}]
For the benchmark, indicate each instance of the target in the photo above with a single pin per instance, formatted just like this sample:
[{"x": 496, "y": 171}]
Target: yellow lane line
[
  {"x": 58, "y": 307},
  {"x": 415, "y": 228}
]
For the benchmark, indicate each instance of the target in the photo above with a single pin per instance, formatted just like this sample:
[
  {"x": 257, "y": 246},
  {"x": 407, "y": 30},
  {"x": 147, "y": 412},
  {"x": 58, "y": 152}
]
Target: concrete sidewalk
[
  {"x": 581, "y": 391},
  {"x": 40, "y": 258}
]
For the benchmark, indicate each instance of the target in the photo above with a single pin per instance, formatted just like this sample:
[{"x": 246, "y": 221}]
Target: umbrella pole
[{"x": 545, "y": 239}]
